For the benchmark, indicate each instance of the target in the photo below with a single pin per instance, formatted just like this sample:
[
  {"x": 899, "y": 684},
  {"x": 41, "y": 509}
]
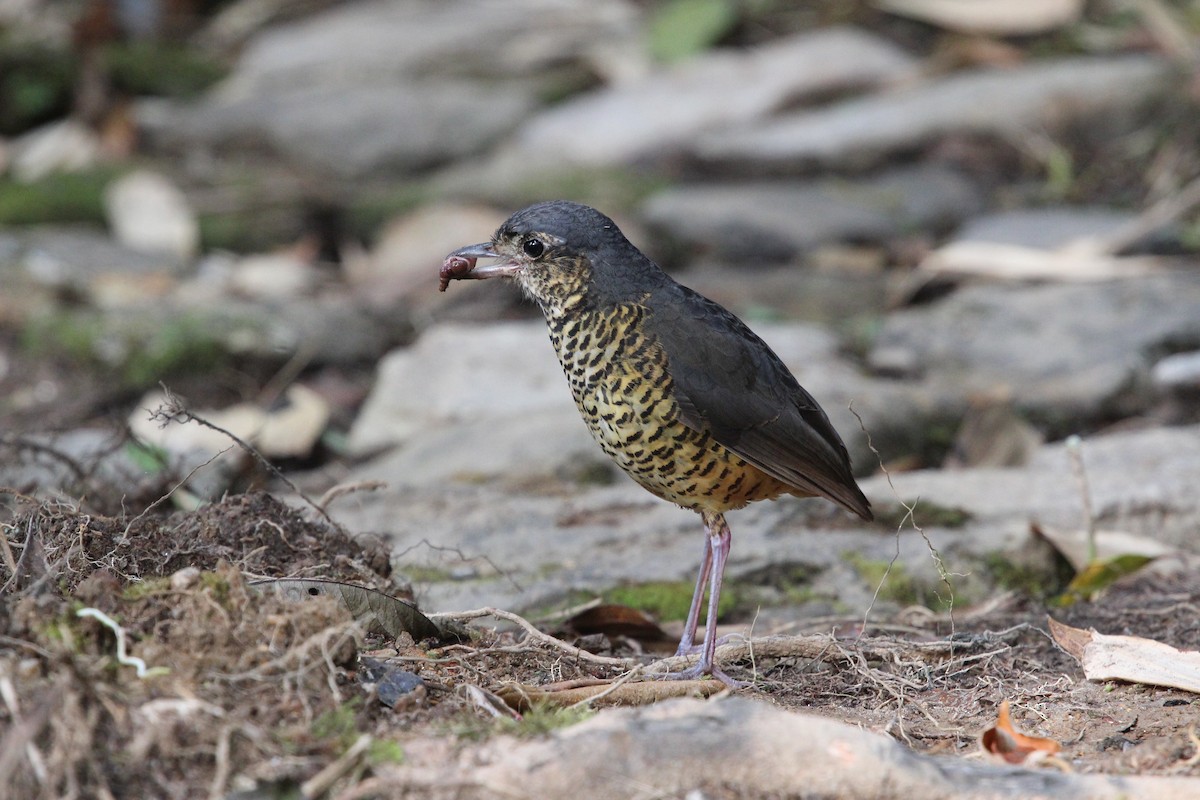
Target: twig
[
  {"x": 321, "y": 783},
  {"x": 536, "y": 635},
  {"x": 173, "y": 410},
  {"x": 1075, "y": 452}
]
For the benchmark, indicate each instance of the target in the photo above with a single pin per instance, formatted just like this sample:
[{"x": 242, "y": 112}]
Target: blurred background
[{"x": 976, "y": 220}]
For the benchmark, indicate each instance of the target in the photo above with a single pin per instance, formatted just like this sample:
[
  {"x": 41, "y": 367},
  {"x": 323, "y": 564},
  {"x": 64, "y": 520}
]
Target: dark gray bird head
[{"x": 565, "y": 256}]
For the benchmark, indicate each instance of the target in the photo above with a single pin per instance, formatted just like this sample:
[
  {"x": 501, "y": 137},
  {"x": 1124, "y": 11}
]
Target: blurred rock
[
  {"x": 1069, "y": 354},
  {"x": 1048, "y": 228},
  {"x": 62, "y": 146},
  {"x": 289, "y": 429},
  {"x": 355, "y": 43},
  {"x": 993, "y": 435},
  {"x": 273, "y": 276},
  {"x": 335, "y": 91},
  {"x": 1002, "y": 102},
  {"x": 990, "y": 17},
  {"x": 355, "y": 131},
  {"x": 653, "y": 117},
  {"x": 150, "y": 214},
  {"x": 773, "y": 221},
  {"x": 86, "y": 263},
  {"x": 496, "y": 371},
  {"x": 1180, "y": 371},
  {"x": 409, "y": 252}
]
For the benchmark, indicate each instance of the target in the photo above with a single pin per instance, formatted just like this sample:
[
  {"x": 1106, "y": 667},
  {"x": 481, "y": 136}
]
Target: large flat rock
[{"x": 988, "y": 101}]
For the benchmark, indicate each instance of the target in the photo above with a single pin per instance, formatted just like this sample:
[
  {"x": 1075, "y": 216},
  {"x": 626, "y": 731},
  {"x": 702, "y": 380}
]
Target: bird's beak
[{"x": 485, "y": 250}]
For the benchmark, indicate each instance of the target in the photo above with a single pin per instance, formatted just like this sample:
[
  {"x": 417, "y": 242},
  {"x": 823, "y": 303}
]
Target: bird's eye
[{"x": 533, "y": 247}]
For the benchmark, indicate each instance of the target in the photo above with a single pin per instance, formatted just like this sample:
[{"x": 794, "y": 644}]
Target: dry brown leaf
[
  {"x": 1013, "y": 747},
  {"x": 1129, "y": 658},
  {"x": 613, "y": 619},
  {"x": 1073, "y": 544}
]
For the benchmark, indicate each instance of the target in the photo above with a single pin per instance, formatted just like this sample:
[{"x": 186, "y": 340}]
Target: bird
[{"x": 676, "y": 389}]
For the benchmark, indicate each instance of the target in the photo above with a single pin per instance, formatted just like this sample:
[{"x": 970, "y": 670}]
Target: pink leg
[
  {"x": 693, "y": 617},
  {"x": 719, "y": 542}
]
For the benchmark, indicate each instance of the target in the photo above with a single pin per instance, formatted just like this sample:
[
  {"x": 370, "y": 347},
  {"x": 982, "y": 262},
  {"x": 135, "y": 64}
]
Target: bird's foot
[
  {"x": 692, "y": 649},
  {"x": 698, "y": 671}
]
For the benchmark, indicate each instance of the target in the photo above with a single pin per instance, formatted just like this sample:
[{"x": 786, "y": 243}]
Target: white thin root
[{"x": 122, "y": 657}]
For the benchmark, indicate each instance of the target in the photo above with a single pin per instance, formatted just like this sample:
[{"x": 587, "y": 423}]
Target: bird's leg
[
  {"x": 693, "y": 617},
  {"x": 719, "y": 542}
]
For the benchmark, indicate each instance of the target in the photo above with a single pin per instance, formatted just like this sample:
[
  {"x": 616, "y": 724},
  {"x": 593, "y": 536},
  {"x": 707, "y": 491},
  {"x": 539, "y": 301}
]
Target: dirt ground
[{"x": 250, "y": 688}]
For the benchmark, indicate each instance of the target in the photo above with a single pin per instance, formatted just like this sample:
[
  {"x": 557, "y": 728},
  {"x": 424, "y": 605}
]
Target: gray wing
[{"x": 728, "y": 382}]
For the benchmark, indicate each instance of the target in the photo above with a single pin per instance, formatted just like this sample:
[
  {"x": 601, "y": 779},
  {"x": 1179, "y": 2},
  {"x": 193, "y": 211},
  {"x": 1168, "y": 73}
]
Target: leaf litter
[{"x": 251, "y": 689}]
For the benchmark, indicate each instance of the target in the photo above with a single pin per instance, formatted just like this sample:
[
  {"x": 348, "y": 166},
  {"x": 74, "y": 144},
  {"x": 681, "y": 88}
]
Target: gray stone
[
  {"x": 1142, "y": 482},
  {"x": 355, "y": 131},
  {"x": 87, "y": 262},
  {"x": 775, "y": 220},
  {"x": 461, "y": 372},
  {"x": 388, "y": 41},
  {"x": 1069, "y": 354},
  {"x": 149, "y": 213},
  {"x": 1045, "y": 228},
  {"x": 1178, "y": 371},
  {"x": 652, "y": 117},
  {"x": 1002, "y": 102}
]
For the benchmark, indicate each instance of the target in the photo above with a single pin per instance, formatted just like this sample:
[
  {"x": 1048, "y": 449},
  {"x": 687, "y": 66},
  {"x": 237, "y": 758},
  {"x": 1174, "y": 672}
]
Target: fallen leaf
[
  {"x": 1129, "y": 658},
  {"x": 1013, "y": 747},
  {"x": 1099, "y": 575},
  {"x": 380, "y": 613},
  {"x": 522, "y": 697},
  {"x": 1072, "y": 543},
  {"x": 614, "y": 619}
]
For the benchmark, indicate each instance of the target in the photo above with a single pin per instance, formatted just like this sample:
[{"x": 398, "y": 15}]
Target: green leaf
[
  {"x": 682, "y": 28},
  {"x": 1100, "y": 575}
]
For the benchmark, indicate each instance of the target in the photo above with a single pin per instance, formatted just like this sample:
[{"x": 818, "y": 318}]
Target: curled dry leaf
[
  {"x": 378, "y": 612},
  {"x": 1009, "y": 745},
  {"x": 1129, "y": 658}
]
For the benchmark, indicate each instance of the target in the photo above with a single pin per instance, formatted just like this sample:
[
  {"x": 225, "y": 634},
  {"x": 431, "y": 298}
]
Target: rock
[
  {"x": 150, "y": 214},
  {"x": 289, "y": 429},
  {"x": 1140, "y": 481},
  {"x": 1045, "y": 228},
  {"x": 765, "y": 221},
  {"x": 990, "y": 17},
  {"x": 495, "y": 371},
  {"x": 63, "y": 146},
  {"x": 355, "y": 43},
  {"x": 653, "y": 117},
  {"x": 409, "y": 252},
  {"x": 86, "y": 262},
  {"x": 359, "y": 130},
  {"x": 335, "y": 92},
  {"x": 279, "y": 275},
  {"x": 1180, "y": 371},
  {"x": 988, "y": 101},
  {"x": 1071, "y": 355}
]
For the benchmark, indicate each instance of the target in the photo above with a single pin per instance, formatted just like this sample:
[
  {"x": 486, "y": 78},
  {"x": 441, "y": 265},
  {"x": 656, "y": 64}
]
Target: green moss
[
  {"x": 161, "y": 68},
  {"x": 925, "y": 513},
  {"x": 543, "y": 718},
  {"x": 339, "y": 724},
  {"x": 217, "y": 584},
  {"x": 36, "y": 85},
  {"x": 682, "y": 28},
  {"x": 385, "y": 751},
  {"x": 139, "y": 355},
  {"x": 61, "y": 197},
  {"x": 898, "y": 585},
  {"x": 666, "y": 600},
  {"x": 146, "y": 588}
]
